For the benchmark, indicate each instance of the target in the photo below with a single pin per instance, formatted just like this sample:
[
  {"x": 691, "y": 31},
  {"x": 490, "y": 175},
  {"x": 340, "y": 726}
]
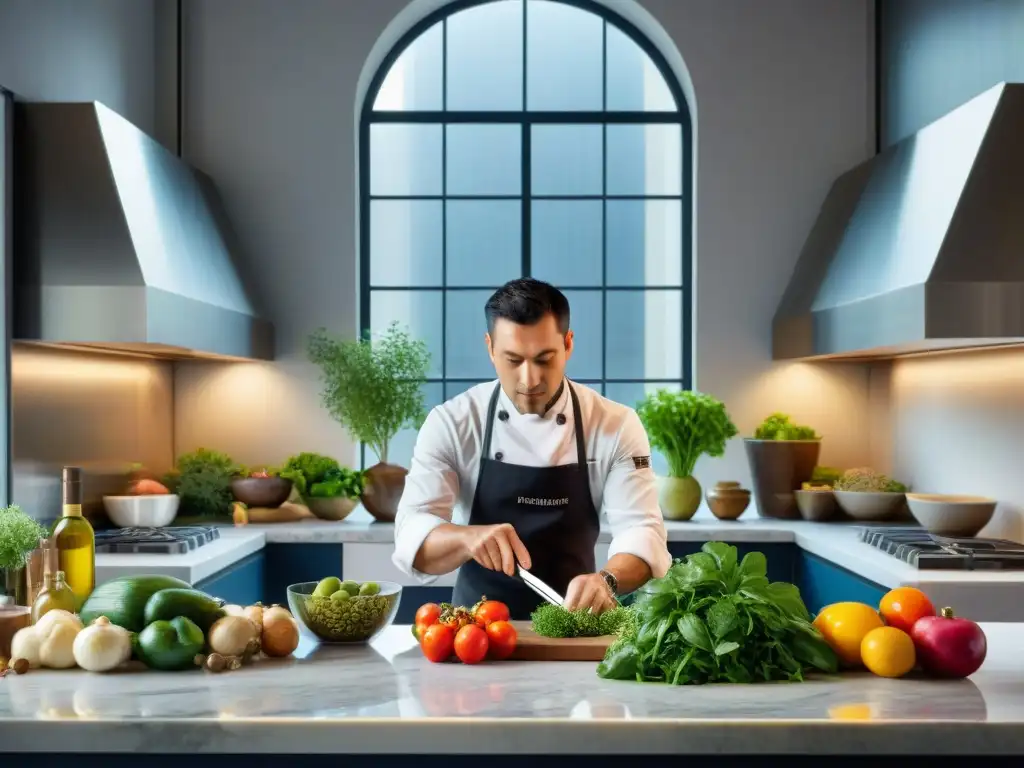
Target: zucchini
[
  {"x": 123, "y": 600},
  {"x": 193, "y": 604}
]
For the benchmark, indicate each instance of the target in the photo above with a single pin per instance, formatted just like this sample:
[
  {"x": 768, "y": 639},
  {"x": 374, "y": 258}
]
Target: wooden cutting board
[{"x": 533, "y": 647}]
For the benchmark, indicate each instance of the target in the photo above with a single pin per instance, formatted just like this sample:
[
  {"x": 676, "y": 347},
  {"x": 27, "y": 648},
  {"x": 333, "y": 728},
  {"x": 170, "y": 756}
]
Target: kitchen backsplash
[{"x": 99, "y": 412}]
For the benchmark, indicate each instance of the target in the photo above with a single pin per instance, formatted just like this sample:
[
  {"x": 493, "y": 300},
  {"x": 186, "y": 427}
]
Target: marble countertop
[{"x": 385, "y": 698}]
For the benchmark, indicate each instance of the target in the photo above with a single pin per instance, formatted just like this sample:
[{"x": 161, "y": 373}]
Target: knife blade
[{"x": 540, "y": 587}]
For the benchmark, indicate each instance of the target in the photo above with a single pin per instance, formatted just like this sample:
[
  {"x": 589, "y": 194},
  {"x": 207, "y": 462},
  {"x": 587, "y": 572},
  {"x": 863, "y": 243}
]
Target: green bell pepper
[{"x": 170, "y": 645}]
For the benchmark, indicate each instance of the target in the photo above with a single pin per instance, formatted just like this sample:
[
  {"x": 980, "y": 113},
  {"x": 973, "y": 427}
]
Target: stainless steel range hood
[
  {"x": 921, "y": 248},
  {"x": 122, "y": 246}
]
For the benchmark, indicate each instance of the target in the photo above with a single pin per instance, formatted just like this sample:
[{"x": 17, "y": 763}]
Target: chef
[{"x": 533, "y": 457}]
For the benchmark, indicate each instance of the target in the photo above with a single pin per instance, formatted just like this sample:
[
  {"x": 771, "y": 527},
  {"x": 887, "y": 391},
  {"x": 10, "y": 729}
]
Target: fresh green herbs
[
  {"x": 555, "y": 621},
  {"x": 713, "y": 619},
  {"x": 202, "y": 479},
  {"x": 683, "y": 426},
  {"x": 866, "y": 480},
  {"x": 320, "y": 476},
  {"x": 19, "y": 535},
  {"x": 372, "y": 388},
  {"x": 779, "y": 427}
]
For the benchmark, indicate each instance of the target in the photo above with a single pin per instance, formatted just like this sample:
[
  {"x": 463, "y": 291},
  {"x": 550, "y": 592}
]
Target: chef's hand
[
  {"x": 590, "y": 590},
  {"x": 497, "y": 547}
]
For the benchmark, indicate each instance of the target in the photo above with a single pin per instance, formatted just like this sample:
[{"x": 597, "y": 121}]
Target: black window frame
[{"x": 526, "y": 119}]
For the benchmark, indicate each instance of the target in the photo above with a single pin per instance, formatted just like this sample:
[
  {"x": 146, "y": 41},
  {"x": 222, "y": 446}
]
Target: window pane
[
  {"x": 634, "y": 82},
  {"x": 415, "y": 80},
  {"x": 405, "y": 242},
  {"x": 454, "y": 388},
  {"x": 585, "y": 313},
  {"x": 645, "y": 242},
  {"x": 564, "y": 47},
  {"x": 484, "y": 159},
  {"x": 566, "y": 159},
  {"x": 419, "y": 312},
  {"x": 405, "y": 159},
  {"x": 465, "y": 327},
  {"x": 485, "y": 57},
  {"x": 645, "y": 160},
  {"x": 645, "y": 341},
  {"x": 484, "y": 241},
  {"x": 401, "y": 447},
  {"x": 566, "y": 241},
  {"x": 630, "y": 393}
]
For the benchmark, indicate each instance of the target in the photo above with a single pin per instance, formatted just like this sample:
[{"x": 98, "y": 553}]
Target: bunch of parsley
[{"x": 712, "y": 619}]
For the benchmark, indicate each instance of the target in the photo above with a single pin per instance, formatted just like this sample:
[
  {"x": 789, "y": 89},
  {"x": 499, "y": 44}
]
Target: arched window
[{"x": 546, "y": 138}]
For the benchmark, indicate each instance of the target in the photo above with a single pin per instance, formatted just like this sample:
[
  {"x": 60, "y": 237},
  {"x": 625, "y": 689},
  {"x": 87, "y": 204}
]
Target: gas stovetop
[
  {"x": 164, "y": 541},
  {"x": 924, "y": 551}
]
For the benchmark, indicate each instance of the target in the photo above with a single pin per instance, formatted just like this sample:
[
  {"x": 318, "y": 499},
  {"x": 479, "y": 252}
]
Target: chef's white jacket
[{"x": 446, "y": 462}]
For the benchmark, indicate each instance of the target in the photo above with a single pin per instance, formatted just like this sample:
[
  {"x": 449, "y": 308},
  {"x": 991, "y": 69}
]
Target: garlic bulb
[
  {"x": 58, "y": 615},
  {"x": 25, "y": 645},
  {"x": 56, "y": 643},
  {"x": 102, "y": 646}
]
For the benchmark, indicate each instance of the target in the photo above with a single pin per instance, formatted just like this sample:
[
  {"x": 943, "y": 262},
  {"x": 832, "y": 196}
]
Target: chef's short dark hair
[{"x": 526, "y": 301}]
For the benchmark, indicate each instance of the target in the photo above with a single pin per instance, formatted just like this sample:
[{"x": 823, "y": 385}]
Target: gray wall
[
  {"x": 937, "y": 54},
  {"x": 94, "y": 411},
  {"x": 951, "y": 423},
  {"x": 784, "y": 100}
]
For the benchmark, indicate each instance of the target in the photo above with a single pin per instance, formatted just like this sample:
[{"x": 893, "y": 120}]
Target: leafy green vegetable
[
  {"x": 554, "y": 621},
  {"x": 866, "y": 480},
  {"x": 779, "y": 427},
  {"x": 202, "y": 479},
  {"x": 19, "y": 536},
  {"x": 372, "y": 388},
  {"x": 314, "y": 474},
  {"x": 684, "y": 426},
  {"x": 713, "y": 619}
]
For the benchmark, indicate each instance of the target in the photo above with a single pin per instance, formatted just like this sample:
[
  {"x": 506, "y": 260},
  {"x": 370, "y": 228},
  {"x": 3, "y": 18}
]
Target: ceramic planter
[
  {"x": 727, "y": 500},
  {"x": 679, "y": 497},
  {"x": 384, "y": 486},
  {"x": 779, "y": 468}
]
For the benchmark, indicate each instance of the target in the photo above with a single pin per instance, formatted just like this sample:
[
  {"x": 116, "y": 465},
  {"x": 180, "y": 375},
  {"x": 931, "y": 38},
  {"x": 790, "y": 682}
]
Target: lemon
[
  {"x": 888, "y": 652},
  {"x": 844, "y": 626}
]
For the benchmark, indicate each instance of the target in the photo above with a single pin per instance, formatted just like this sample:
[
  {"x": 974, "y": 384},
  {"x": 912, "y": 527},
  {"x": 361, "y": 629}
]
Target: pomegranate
[{"x": 949, "y": 646}]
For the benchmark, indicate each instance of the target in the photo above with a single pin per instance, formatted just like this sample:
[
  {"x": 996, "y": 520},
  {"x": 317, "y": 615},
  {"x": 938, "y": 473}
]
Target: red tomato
[
  {"x": 502, "y": 637},
  {"x": 418, "y": 631},
  {"x": 471, "y": 644},
  {"x": 487, "y": 611},
  {"x": 428, "y": 614},
  {"x": 438, "y": 642}
]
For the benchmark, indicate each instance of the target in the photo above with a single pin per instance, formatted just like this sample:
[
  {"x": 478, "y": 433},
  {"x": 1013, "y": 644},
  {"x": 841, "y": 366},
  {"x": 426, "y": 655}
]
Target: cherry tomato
[
  {"x": 471, "y": 644},
  {"x": 428, "y": 614},
  {"x": 490, "y": 610},
  {"x": 438, "y": 642},
  {"x": 501, "y": 636}
]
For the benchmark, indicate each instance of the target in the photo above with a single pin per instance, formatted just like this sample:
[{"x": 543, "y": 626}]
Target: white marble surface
[
  {"x": 386, "y": 698},
  {"x": 201, "y": 563}
]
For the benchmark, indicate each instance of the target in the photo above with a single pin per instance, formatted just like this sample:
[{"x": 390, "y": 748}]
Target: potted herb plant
[
  {"x": 19, "y": 537},
  {"x": 202, "y": 481},
  {"x": 372, "y": 387},
  {"x": 683, "y": 426},
  {"x": 782, "y": 457},
  {"x": 330, "y": 490}
]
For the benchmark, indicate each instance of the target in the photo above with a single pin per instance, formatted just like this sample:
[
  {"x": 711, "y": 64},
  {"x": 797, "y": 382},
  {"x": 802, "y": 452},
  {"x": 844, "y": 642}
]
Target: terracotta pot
[
  {"x": 780, "y": 467},
  {"x": 267, "y": 492},
  {"x": 678, "y": 497},
  {"x": 384, "y": 486},
  {"x": 728, "y": 500},
  {"x": 336, "y": 508}
]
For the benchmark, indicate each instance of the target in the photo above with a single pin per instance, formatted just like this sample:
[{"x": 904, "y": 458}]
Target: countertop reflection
[{"x": 386, "y": 698}]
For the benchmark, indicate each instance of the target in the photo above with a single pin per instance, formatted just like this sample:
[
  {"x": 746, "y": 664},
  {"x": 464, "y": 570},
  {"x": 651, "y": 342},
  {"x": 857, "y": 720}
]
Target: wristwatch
[{"x": 611, "y": 581}]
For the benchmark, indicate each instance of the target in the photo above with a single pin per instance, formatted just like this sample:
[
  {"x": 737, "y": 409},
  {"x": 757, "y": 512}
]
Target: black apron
[{"x": 552, "y": 510}]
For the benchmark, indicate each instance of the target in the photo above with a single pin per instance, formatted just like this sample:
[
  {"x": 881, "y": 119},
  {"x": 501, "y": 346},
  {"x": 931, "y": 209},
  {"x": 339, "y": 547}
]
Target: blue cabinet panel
[
  {"x": 294, "y": 563},
  {"x": 781, "y": 557},
  {"x": 240, "y": 584},
  {"x": 414, "y": 597},
  {"x": 822, "y": 583}
]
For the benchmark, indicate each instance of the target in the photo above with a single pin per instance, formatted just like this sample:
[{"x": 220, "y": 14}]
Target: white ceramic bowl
[
  {"x": 953, "y": 516},
  {"x": 868, "y": 505},
  {"x": 154, "y": 511}
]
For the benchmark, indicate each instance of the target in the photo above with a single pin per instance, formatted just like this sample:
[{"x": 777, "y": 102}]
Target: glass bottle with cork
[{"x": 74, "y": 538}]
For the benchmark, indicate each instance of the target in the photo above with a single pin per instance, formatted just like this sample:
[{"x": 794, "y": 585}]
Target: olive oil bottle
[
  {"x": 55, "y": 594},
  {"x": 74, "y": 538}
]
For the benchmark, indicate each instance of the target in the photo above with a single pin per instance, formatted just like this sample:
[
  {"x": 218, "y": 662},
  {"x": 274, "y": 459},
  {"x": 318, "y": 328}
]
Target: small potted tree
[
  {"x": 683, "y": 426},
  {"x": 782, "y": 458},
  {"x": 373, "y": 388},
  {"x": 19, "y": 537}
]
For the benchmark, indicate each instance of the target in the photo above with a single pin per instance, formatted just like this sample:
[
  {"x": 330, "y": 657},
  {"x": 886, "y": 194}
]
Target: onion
[
  {"x": 230, "y": 635},
  {"x": 280, "y": 635}
]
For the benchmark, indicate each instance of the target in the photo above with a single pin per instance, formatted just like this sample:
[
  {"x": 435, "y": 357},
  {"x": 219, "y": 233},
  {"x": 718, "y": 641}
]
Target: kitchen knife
[{"x": 540, "y": 587}]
